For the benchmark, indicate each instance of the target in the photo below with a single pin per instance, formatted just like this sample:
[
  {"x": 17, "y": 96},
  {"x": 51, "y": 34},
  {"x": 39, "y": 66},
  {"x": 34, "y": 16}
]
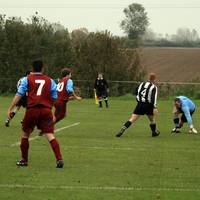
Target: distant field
[
  {"x": 99, "y": 166},
  {"x": 172, "y": 64}
]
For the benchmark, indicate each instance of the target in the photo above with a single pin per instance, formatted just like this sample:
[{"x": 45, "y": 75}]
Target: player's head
[
  {"x": 177, "y": 102},
  {"x": 66, "y": 72},
  {"x": 152, "y": 77},
  {"x": 100, "y": 75},
  {"x": 37, "y": 66}
]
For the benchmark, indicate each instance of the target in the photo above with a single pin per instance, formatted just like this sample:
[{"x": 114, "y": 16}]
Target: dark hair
[
  {"x": 37, "y": 65},
  {"x": 65, "y": 71},
  {"x": 177, "y": 99},
  {"x": 27, "y": 72}
]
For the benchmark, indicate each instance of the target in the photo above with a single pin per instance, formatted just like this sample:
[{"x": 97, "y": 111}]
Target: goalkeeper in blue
[{"x": 185, "y": 107}]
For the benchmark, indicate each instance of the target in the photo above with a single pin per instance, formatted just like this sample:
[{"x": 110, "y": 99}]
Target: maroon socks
[
  {"x": 56, "y": 149},
  {"x": 24, "y": 148}
]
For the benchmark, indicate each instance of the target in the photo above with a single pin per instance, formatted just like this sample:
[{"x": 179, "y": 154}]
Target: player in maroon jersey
[
  {"x": 41, "y": 96},
  {"x": 65, "y": 93}
]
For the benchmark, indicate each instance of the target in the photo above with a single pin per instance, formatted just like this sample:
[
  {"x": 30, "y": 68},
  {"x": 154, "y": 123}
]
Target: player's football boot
[
  {"x": 193, "y": 130},
  {"x": 22, "y": 163},
  {"x": 175, "y": 130},
  {"x": 7, "y": 122},
  {"x": 59, "y": 164},
  {"x": 155, "y": 133},
  {"x": 121, "y": 132}
]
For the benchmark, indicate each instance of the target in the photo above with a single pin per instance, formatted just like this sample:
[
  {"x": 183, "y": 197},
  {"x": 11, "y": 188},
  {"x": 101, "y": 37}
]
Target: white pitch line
[
  {"x": 121, "y": 148},
  {"x": 102, "y": 148},
  {"x": 106, "y": 188},
  {"x": 69, "y": 126},
  {"x": 57, "y": 130}
]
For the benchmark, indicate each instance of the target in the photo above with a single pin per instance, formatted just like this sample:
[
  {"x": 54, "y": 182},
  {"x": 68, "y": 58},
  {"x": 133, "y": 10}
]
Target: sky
[{"x": 165, "y": 17}]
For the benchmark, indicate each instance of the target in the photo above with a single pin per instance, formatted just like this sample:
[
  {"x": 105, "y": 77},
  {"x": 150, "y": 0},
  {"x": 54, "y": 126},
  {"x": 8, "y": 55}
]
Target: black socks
[
  {"x": 106, "y": 101},
  {"x": 153, "y": 127},
  {"x": 176, "y": 122},
  {"x": 100, "y": 104},
  {"x": 127, "y": 124}
]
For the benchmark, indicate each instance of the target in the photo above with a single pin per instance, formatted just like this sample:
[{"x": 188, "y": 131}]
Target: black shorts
[
  {"x": 183, "y": 117},
  {"x": 22, "y": 102},
  {"x": 143, "y": 109},
  {"x": 102, "y": 93}
]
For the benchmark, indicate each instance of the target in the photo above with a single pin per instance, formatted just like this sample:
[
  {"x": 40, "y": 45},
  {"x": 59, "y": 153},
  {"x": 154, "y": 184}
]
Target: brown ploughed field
[{"x": 172, "y": 64}]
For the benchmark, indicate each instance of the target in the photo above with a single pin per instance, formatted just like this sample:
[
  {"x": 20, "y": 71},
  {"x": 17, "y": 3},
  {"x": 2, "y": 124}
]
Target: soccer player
[
  {"x": 184, "y": 106},
  {"x": 22, "y": 103},
  {"x": 66, "y": 92},
  {"x": 146, "y": 96},
  {"x": 101, "y": 89},
  {"x": 41, "y": 96}
]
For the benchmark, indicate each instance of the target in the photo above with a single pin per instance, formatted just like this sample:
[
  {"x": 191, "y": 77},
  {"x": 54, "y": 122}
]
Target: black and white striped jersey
[{"x": 147, "y": 93}]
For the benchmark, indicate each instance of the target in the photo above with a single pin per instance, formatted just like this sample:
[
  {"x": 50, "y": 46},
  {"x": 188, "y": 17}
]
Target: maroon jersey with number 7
[{"x": 39, "y": 91}]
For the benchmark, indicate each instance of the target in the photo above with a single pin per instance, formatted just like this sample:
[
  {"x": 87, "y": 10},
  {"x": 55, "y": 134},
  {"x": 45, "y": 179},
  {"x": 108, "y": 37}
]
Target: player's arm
[
  {"x": 188, "y": 116},
  {"x": 70, "y": 90},
  {"x": 21, "y": 91},
  {"x": 135, "y": 91},
  {"x": 106, "y": 84},
  {"x": 154, "y": 99},
  {"x": 13, "y": 104},
  {"x": 54, "y": 94}
]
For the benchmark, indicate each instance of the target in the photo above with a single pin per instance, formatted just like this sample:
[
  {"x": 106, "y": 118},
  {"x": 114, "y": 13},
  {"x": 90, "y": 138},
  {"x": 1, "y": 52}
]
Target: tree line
[
  {"x": 86, "y": 53},
  {"x": 184, "y": 37}
]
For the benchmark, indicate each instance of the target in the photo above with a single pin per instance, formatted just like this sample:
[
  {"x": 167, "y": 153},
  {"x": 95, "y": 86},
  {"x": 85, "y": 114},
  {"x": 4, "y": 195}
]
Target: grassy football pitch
[{"x": 99, "y": 166}]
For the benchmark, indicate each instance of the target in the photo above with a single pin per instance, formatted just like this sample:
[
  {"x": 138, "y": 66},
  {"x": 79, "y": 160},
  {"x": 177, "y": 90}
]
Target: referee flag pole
[{"x": 95, "y": 98}]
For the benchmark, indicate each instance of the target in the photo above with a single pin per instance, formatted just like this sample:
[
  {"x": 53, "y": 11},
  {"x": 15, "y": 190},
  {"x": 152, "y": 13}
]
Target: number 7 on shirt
[{"x": 41, "y": 85}]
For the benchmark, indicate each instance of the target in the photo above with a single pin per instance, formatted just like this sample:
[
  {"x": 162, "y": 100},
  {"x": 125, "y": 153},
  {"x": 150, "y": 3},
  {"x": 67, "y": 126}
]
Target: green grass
[{"x": 99, "y": 166}]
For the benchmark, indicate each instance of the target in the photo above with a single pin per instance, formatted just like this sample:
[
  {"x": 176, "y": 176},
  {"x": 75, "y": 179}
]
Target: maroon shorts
[
  {"x": 40, "y": 117},
  {"x": 60, "y": 110}
]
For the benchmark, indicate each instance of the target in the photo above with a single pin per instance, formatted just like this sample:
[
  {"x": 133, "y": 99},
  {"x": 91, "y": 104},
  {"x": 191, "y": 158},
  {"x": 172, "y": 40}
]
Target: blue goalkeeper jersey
[{"x": 187, "y": 106}]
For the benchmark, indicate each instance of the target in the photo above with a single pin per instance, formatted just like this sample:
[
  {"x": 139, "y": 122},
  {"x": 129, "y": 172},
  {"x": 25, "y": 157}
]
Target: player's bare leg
[
  {"x": 152, "y": 125},
  {"x": 54, "y": 118},
  {"x": 126, "y": 125},
  {"x": 56, "y": 149}
]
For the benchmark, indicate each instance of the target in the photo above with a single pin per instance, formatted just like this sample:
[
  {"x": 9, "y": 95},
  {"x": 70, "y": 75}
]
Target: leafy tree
[
  {"x": 135, "y": 22},
  {"x": 87, "y": 53}
]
